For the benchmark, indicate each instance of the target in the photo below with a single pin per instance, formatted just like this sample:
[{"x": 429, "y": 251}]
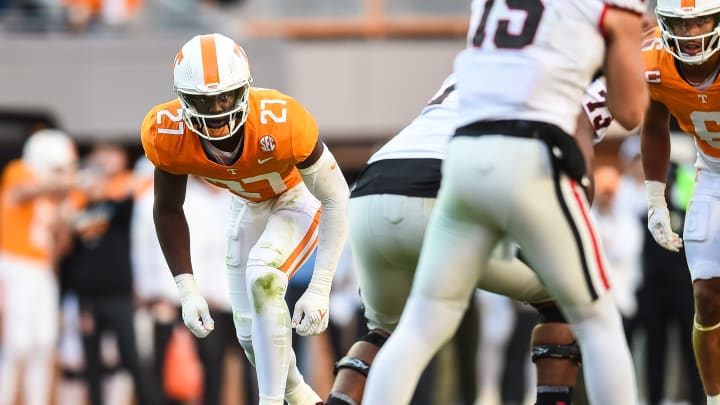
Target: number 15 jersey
[
  {"x": 278, "y": 134},
  {"x": 531, "y": 59}
]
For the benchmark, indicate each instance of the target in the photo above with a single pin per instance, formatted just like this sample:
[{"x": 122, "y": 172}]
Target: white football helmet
[
  {"x": 48, "y": 152},
  {"x": 669, "y": 10},
  {"x": 206, "y": 67}
]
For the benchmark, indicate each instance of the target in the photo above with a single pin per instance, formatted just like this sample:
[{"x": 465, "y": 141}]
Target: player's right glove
[
  {"x": 659, "y": 217},
  {"x": 195, "y": 311}
]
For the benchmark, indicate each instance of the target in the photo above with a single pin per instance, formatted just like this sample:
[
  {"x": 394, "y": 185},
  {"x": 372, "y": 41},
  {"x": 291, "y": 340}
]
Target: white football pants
[
  {"x": 267, "y": 242},
  {"x": 495, "y": 187}
]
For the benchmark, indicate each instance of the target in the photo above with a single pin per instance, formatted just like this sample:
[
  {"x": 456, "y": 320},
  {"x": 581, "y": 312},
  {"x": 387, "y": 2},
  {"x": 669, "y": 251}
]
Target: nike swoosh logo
[{"x": 262, "y": 161}]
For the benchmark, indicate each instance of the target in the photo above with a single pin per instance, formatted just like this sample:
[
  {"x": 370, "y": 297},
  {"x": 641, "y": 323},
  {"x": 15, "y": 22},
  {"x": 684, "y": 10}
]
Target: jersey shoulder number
[{"x": 283, "y": 118}]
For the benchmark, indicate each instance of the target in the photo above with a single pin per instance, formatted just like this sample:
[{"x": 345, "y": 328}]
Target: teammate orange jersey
[
  {"x": 697, "y": 111},
  {"x": 279, "y": 133},
  {"x": 26, "y": 229}
]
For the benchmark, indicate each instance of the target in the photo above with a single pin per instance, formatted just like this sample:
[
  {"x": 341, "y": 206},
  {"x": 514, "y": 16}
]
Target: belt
[{"x": 516, "y": 128}]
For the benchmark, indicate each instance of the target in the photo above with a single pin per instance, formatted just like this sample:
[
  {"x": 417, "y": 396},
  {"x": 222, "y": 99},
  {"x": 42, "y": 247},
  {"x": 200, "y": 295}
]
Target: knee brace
[
  {"x": 374, "y": 337},
  {"x": 549, "y": 313},
  {"x": 569, "y": 351}
]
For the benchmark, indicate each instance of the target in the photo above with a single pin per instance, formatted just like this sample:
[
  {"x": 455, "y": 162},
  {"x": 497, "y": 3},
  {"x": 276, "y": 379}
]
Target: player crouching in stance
[{"x": 263, "y": 147}]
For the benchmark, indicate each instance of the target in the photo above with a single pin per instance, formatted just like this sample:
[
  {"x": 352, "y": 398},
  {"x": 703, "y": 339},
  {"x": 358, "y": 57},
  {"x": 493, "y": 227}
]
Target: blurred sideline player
[
  {"x": 389, "y": 209},
  {"x": 682, "y": 63},
  {"x": 514, "y": 171},
  {"x": 263, "y": 147},
  {"x": 33, "y": 217}
]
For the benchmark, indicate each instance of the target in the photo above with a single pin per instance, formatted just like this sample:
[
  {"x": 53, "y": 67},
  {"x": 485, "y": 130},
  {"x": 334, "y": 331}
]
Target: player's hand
[
  {"x": 659, "y": 226},
  {"x": 659, "y": 217},
  {"x": 195, "y": 311},
  {"x": 311, "y": 314}
]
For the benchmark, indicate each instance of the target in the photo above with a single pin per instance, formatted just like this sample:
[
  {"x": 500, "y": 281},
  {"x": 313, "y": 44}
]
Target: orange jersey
[
  {"x": 696, "y": 111},
  {"x": 279, "y": 133},
  {"x": 26, "y": 229}
]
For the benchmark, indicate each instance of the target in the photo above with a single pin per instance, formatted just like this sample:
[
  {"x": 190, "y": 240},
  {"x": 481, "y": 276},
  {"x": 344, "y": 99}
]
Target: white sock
[{"x": 713, "y": 400}]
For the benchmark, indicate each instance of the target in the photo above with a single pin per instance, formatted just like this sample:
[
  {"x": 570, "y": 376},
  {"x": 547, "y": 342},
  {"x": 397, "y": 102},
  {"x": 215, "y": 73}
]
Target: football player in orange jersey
[
  {"x": 263, "y": 146},
  {"x": 32, "y": 194},
  {"x": 681, "y": 68}
]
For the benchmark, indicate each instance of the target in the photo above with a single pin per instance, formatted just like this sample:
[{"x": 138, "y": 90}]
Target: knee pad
[
  {"x": 374, "y": 337},
  {"x": 569, "y": 351},
  {"x": 265, "y": 284}
]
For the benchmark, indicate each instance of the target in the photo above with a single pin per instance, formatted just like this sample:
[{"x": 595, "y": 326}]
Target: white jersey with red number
[
  {"x": 426, "y": 137},
  {"x": 595, "y": 107},
  {"x": 501, "y": 77}
]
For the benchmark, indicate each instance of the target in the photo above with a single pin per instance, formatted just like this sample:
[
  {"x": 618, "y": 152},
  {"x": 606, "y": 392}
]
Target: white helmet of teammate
[
  {"x": 669, "y": 11},
  {"x": 213, "y": 69},
  {"x": 49, "y": 152}
]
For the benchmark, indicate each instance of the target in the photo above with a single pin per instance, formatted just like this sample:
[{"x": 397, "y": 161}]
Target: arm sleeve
[{"x": 325, "y": 180}]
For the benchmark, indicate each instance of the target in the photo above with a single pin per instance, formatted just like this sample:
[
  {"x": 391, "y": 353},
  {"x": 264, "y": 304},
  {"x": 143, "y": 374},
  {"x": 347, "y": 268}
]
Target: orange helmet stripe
[
  {"x": 179, "y": 57},
  {"x": 687, "y": 3},
  {"x": 209, "y": 59}
]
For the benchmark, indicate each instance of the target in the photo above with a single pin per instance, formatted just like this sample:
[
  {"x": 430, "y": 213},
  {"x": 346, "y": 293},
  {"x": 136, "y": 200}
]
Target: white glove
[
  {"x": 195, "y": 310},
  {"x": 659, "y": 217},
  {"x": 310, "y": 316}
]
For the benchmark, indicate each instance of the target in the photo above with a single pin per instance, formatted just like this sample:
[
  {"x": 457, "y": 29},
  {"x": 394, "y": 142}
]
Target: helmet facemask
[
  {"x": 709, "y": 42},
  {"x": 198, "y": 114}
]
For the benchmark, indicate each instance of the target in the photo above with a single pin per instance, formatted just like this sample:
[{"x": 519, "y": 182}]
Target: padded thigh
[{"x": 386, "y": 234}]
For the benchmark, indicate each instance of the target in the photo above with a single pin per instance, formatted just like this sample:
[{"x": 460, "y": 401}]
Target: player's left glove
[
  {"x": 659, "y": 217},
  {"x": 311, "y": 314}
]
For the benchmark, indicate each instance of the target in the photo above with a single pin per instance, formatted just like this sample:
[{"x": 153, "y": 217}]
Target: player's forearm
[
  {"x": 655, "y": 152},
  {"x": 174, "y": 237}
]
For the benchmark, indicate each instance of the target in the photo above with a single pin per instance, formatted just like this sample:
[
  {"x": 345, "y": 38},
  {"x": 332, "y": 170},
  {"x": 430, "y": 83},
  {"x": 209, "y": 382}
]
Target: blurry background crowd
[{"x": 104, "y": 328}]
